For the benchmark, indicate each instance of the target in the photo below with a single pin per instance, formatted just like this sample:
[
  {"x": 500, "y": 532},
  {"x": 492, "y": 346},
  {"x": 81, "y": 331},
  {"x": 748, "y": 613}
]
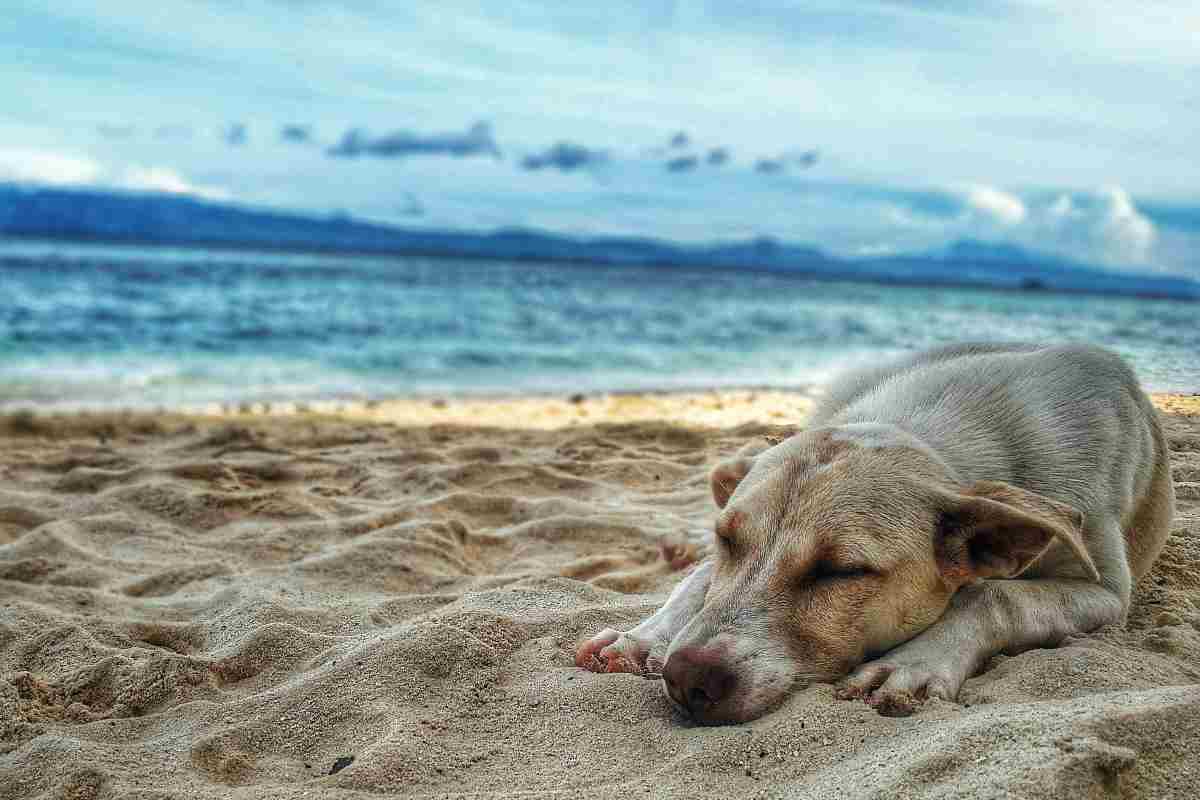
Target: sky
[{"x": 860, "y": 127}]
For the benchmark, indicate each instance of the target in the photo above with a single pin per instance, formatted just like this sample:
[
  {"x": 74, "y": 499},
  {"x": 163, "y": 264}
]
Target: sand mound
[{"x": 303, "y": 607}]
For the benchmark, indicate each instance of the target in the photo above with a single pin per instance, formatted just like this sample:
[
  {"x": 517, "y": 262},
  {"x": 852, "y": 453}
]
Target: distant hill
[{"x": 79, "y": 214}]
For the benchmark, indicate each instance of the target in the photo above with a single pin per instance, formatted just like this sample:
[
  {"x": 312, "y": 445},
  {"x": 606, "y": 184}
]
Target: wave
[{"x": 236, "y": 327}]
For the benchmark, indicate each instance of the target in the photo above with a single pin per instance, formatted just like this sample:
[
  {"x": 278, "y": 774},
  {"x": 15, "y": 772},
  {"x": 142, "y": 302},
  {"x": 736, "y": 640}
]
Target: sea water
[{"x": 85, "y": 326}]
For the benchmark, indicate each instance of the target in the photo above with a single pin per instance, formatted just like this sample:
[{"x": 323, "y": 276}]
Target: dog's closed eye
[{"x": 825, "y": 571}]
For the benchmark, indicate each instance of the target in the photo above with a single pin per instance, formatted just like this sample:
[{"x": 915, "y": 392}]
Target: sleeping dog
[{"x": 960, "y": 503}]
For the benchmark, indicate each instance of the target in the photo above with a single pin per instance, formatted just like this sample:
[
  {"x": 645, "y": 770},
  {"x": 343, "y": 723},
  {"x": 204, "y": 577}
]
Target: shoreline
[
  {"x": 704, "y": 408},
  {"x": 538, "y": 411}
]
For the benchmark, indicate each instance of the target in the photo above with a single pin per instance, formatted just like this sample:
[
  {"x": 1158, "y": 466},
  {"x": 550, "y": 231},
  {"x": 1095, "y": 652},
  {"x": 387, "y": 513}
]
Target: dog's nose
[{"x": 697, "y": 679}]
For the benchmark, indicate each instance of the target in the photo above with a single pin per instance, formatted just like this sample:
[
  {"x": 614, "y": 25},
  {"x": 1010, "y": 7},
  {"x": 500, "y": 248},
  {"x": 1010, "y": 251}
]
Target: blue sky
[{"x": 865, "y": 127}]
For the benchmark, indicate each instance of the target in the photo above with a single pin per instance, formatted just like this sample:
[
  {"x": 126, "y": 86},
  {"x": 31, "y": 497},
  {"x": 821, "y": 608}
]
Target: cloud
[
  {"x": 163, "y": 179},
  {"x": 996, "y": 204},
  {"x": 39, "y": 166},
  {"x": 1126, "y": 227},
  {"x": 296, "y": 134},
  {"x": 717, "y": 156},
  {"x": 475, "y": 141},
  {"x": 565, "y": 157},
  {"x": 680, "y": 140},
  {"x": 682, "y": 164},
  {"x": 1105, "y": 224},
  {"x": 1102, "y": 226},
  {"x": 805, "y": 159},
  {"x": 236, "y": 134},
  {"x": 58, "y": 169}
]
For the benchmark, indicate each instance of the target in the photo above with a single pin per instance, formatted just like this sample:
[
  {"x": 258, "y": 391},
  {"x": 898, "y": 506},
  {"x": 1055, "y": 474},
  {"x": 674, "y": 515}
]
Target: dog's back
[
  {"x": 1069, "y": 422},
  {"x": 853, "y": 385}
]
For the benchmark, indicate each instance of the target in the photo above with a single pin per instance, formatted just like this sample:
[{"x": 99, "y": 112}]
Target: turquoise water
[{"x": 103, "y": 326}]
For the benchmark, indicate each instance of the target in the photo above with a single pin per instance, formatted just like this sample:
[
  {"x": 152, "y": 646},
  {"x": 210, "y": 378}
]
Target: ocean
[{"x": 100, "y": 326}]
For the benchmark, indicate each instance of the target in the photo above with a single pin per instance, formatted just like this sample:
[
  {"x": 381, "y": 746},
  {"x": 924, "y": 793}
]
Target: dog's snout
[{"x": 697, "y": 679}]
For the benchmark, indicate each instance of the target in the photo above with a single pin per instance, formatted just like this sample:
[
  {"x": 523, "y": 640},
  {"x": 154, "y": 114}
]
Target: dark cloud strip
[
  {"x": 296, "y": 134},
  {"x": 236, "y": 134},
  {"x": 806, "y": 159},
  {"x": 717, "y": 156},
  {"x": 565, "y": 157},
  {"x": 683, "y": 164},
  {"x": 475, "y": 141}
]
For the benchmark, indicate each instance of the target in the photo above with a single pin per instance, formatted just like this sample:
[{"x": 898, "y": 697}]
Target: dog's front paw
[
  {"x": 896, "y": 688},
  {"x": 614, "y": 651}
]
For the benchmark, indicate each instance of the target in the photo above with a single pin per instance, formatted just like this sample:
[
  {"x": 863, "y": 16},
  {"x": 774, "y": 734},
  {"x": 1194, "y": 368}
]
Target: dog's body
[{"x": 880, "y": 542}]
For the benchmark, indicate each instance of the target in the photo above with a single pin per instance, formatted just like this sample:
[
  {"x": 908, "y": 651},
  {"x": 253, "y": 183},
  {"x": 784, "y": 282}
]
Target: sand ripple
[{"x": 196, "y": 608}]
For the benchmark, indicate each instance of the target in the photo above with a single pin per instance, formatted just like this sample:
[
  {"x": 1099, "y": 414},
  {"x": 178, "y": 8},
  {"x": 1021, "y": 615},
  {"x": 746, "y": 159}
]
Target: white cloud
[
  {"x": 40, "y": 166},
  {"x": 1104, "y": 225},
  {"x": 1101, "y": 226},
  {"x": 65, "y": 169},
  {"x": 162, "y": 179},
  {"x": 1128, "y": 231},
  {"x": 996, "y": 204}
]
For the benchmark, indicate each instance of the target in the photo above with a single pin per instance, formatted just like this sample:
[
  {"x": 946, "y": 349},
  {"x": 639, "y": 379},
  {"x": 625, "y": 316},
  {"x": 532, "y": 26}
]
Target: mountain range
[{"x": 162, "y": 219}]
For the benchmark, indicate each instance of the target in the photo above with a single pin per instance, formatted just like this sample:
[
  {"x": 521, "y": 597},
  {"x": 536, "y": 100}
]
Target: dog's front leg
[
  {"x": 643, "y": 649},
  {"x": 986, "y": 618}
]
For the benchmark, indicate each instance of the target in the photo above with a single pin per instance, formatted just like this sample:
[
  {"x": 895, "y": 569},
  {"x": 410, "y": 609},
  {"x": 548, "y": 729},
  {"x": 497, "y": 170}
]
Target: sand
[{"x": 387, "y": 603}]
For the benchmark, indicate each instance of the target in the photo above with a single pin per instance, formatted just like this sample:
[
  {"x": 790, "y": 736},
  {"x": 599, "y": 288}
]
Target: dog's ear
[
  {"x": 726, "y": 476},
  {"x": 996, "y": 530}
]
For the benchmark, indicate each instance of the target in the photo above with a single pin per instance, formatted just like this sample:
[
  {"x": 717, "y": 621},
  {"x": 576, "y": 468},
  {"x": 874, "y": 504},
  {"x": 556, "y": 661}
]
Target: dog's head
[{"x": 835, "y": 545}]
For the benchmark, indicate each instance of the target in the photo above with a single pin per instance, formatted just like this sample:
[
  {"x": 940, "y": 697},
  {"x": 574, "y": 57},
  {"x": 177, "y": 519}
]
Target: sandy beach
[{"x": 384, "y": 600}]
